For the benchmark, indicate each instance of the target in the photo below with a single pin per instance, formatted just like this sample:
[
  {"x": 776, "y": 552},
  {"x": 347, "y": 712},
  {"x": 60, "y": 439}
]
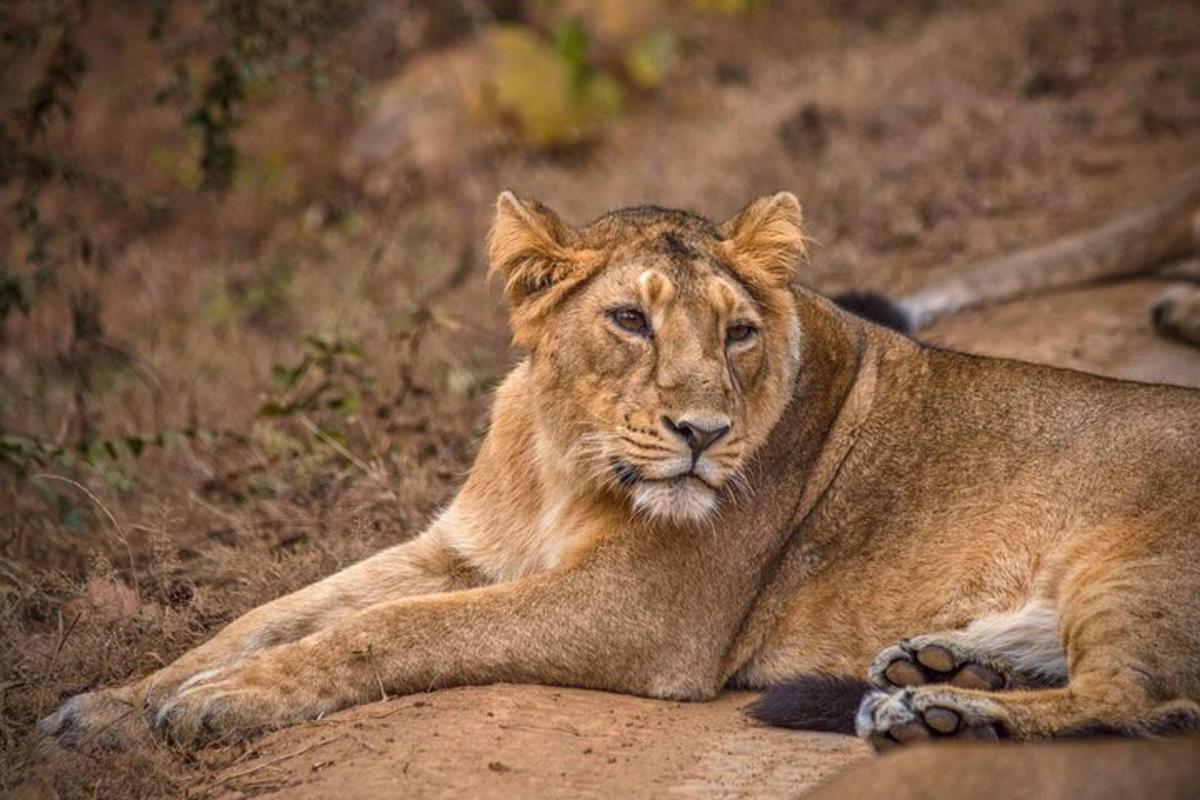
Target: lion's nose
[{"x": 697, "y": 437}]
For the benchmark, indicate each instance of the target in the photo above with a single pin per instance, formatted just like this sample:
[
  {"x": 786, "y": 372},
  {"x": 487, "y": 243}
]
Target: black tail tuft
[
  {"x": 877, "y": 308},
  {"x": 812, "y": 703}
]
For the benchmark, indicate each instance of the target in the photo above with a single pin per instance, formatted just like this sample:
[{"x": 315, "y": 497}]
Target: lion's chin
[{"x": 683, "y": 499}]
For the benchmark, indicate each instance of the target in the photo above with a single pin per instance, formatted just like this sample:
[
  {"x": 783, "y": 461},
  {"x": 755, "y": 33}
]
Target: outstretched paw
[
  {"x": 107, "y": 718},
  {"x": 938, "y": 659},
  {"x": 234, "y": 702},
  {"x": 923, "y": 714}
]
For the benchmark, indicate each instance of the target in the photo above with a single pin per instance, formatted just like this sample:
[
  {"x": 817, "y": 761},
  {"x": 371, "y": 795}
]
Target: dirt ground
[
  {"x": 520, "y": 741},
  {"x": 920, "y": 136}
]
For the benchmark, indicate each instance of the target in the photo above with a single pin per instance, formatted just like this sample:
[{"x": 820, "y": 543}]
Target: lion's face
[{"x": 664, "y": 349}]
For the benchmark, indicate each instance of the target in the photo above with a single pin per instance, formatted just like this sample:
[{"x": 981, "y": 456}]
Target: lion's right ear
[{"x": 535, "y": 254}]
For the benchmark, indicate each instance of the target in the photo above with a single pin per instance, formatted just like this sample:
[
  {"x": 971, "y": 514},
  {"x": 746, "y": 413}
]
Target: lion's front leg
[
  {"x": 575, "y": 628},
  {"x": 111, "y": 716}
]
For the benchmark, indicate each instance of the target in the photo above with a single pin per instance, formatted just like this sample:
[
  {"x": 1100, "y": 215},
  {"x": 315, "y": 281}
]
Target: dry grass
[{"x": 918, "y": 138}]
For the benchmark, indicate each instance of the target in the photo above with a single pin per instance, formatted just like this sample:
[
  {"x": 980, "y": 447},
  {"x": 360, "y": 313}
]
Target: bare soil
[{"x": 528, "y": 741}]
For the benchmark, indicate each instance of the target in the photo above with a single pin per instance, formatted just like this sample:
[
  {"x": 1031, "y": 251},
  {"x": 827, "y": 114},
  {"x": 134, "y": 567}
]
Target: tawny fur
[{"x": 868, "y": 489}]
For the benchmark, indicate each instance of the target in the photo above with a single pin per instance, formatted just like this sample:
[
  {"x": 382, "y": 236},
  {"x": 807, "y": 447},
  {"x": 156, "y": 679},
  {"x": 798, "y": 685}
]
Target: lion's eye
[
  {"x": 742, "y": 332},
  {"x": 630, "y": 319}
]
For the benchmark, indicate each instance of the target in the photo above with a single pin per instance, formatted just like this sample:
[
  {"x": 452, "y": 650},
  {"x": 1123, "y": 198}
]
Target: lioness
[{"x": 704, "y": 475}]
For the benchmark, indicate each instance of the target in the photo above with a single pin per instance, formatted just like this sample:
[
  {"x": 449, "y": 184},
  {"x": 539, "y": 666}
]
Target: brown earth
[
  {"x": 1101, "y": 329},
  {"x": 529, "y": 741},
  {"x": 920, "y": 137}
]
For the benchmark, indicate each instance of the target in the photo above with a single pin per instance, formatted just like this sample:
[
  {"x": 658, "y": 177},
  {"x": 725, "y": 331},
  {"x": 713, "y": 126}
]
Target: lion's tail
[
  {"x": 1163, "y": 230},
  {"x": 811, "y": 702}
]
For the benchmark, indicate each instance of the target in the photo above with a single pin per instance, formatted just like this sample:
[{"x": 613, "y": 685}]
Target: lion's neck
[{"x": 529, "y": 504}]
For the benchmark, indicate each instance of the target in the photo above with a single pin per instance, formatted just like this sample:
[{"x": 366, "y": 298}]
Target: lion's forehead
[{"x": 677, "y": 273}]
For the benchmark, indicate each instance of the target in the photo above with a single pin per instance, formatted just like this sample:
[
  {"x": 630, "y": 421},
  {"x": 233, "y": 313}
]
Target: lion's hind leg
[
  {"x": 1125, "y": 611},
  {"x": 1021, "y": 649}
]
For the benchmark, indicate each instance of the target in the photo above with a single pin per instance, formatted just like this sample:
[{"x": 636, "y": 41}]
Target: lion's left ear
[{"x": 765, "y": 240}]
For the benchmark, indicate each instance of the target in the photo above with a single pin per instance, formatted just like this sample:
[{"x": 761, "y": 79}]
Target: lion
[{"x": 704, "y": 475}]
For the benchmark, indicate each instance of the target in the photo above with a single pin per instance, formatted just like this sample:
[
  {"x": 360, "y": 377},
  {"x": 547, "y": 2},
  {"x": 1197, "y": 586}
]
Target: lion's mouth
[{"x": 629, "y": 476}]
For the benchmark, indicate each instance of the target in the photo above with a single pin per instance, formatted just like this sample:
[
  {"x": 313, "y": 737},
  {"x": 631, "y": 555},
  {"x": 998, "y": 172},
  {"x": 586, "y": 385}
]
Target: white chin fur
[{"x": 680, "y": 500}]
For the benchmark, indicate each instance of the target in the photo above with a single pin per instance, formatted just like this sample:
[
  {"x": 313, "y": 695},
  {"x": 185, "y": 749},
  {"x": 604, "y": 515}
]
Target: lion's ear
[
  {"x": 534, "y": 253},
  {"x": 527, "y": 247},
  {"x": 765, "y": 240}
]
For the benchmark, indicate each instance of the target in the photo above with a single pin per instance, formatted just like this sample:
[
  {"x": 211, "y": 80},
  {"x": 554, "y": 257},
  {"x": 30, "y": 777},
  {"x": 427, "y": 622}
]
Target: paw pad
[
  {"x": 909, "y": 664},
  {"x": 917, "y": 715}
]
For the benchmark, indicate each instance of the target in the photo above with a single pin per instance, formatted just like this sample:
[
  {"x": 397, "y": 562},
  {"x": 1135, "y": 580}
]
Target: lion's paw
[
  {"x": 922, "y": 714},
  {"x": 234, "y": 702},
  {"x": 935, "y": 659},
  {"x": 107, "y": 719}
]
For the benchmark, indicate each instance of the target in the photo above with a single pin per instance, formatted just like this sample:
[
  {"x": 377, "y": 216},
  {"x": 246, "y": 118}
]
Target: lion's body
[
  {"x": 1039, "y": 523},
  {"x": 979, "y": 486}
]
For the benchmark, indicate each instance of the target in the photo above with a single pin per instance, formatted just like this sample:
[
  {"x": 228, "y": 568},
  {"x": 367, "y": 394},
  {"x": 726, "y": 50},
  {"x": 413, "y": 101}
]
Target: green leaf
[
  {"x": 72, "y": 519},
  {"x": 273, "y": 410},
  {"x": 318, "y": 345},
  {"x": 117, "y": 479},
  {"x": 728, "y": 8},
  {"x": 534, "y": 85},
  {"x": 571, "y": 42},
  {"x": 648, "y": 60},
  {"x": 605, "y": 97},
  {"x": 284, "y": 378},
  {"x": 91, "y": 453}
]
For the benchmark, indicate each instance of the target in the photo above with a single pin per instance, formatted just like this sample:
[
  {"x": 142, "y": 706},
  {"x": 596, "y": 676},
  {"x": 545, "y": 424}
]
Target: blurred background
[{"x": 245, "y": 336}]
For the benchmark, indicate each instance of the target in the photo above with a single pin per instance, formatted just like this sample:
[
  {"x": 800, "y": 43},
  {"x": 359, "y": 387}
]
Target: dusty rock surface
[
  {"x": 1105, "y": 329},
  {"x": 534, "y": 741}
]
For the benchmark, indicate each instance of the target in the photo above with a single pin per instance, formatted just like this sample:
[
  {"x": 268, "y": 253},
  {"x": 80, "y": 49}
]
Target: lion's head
[{"x": 662, "y": 345}]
